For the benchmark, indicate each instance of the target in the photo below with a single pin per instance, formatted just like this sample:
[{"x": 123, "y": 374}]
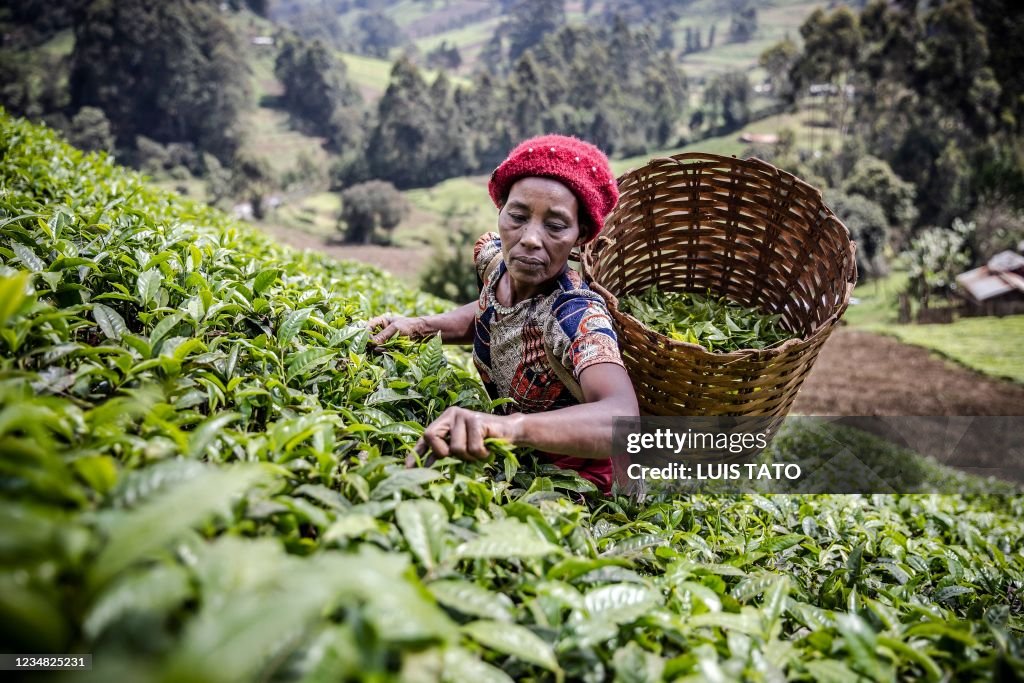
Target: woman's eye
[
  {"x": 518, "y": 217},
  {"x": 556, "y": 227}
]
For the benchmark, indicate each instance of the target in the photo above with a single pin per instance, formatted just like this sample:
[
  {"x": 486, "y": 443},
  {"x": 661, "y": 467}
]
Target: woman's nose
[{"x": 532, "y": 234}]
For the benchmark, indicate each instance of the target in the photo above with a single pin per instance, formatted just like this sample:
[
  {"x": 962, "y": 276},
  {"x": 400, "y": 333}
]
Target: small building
[{"x": 996, "y": 288}]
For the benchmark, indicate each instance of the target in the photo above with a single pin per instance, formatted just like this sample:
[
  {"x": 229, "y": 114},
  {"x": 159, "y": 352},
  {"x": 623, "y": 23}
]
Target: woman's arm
[
  {"x": 584, "y": 430},
  {"x": 456, "y": 327}
]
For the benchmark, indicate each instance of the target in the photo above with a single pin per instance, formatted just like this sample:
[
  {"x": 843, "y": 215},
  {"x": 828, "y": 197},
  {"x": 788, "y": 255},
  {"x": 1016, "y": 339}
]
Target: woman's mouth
[{"x": 532, "y": 262}]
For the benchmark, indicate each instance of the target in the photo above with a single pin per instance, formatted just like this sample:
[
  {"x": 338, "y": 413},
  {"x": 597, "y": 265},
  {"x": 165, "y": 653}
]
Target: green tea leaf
[
  {"x": 423, "y": 524},
  {"x": 109, "y": 320},
  {"x": 513, "y": 640},
  {"x": 155, "y": 590},
  {"x": 166, "y": 324},
  {"x": 99, "y": 471},
  {"x": 135, "y": 534},
  {"x": 507, "y": 538},
  {"x": 620, "y": 603},
  {"x": 149, "y": 284},
  {"x": 12, "y": 295},
  {"x": 304, "y": 361},
  {"x": 292, "y": 322},
  {"x": 460, "y": 666},
  {"x": 472, "y": 599},
  {"x": 350, "y": 526},
  {"x": 28, "y": 257},
  {"x": 208, "y": 431},
  {"x": 264, "y": 279}
]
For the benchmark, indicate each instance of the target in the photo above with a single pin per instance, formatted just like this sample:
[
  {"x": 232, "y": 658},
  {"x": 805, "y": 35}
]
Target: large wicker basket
[{"x": 740, "y": 228}]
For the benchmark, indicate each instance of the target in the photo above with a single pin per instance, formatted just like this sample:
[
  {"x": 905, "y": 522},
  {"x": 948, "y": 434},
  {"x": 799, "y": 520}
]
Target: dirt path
[
  {"x": 860, "y": 373},
  {"x": 404, "y": 262},
  {"x": 857, "y": 373}
]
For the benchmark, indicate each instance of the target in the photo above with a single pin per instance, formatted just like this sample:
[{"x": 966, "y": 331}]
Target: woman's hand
[
  {"x": 456, "y": 327},
  {"x": 460, "y": 433},
  {"x": 384, "y": 327}
]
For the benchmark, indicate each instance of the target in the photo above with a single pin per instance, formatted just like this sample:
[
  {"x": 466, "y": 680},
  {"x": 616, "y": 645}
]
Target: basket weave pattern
[{"x": 740, "y": 228}]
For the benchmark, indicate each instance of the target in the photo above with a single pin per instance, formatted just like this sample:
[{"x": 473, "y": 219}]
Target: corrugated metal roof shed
[
  {"x": 1006, "y": 261},
  {"x": 1002, "y": 274}
]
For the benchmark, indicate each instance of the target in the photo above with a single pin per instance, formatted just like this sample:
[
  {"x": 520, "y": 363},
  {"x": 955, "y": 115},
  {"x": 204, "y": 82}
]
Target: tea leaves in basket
[{"x": 711, "y": 321}]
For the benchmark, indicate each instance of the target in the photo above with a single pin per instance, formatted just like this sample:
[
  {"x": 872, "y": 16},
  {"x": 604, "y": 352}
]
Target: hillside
[
  {"x": 469, "y": 24},
  {"x": 270, "y": 133}
]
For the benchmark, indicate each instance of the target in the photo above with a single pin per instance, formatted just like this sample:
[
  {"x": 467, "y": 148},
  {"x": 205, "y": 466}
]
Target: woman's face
[{"x": 539, "y": 226}]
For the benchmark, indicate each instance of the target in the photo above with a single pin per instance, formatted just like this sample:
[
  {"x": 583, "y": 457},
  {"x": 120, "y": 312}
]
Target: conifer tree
[
  {"x": 530, "y": 21},
  {"x": 317, "y": 91},
  {"x": 169, "y": 71}
]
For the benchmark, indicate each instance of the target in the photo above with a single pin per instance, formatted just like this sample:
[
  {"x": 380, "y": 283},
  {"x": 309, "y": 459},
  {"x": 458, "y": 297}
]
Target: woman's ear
[{"x": 584, "y": 232}]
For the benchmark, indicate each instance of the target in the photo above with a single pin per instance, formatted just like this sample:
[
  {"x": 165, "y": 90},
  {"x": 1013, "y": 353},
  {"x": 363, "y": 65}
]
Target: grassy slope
[
  {"x": 776, "y": 20},
  {"x": 987, "y": 344},
  {"x": 268, "y": 131}
]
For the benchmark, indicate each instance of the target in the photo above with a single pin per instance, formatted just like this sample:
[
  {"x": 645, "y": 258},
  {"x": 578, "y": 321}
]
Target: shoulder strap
[
  {"x": 491, "y": 267},
  {"x": 564, "y": 374}
]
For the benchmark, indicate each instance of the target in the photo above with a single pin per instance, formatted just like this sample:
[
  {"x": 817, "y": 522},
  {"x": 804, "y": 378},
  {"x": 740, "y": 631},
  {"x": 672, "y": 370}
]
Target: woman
[{"x": 540, "y": 336}]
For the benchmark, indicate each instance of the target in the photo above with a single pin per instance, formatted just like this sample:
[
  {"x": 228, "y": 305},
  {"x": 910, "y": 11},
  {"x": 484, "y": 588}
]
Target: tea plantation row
[{"x": 202, "y": 474}]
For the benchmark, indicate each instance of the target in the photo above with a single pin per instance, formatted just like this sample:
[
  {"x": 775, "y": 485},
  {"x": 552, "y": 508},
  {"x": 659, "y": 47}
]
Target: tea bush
[{"x": 202, "y": 472}]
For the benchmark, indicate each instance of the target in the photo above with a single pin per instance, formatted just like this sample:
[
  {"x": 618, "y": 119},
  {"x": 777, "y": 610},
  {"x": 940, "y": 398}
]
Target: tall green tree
[
  {"x": 742, "y": 22},
  {"x": 530, "y": 110},
  {"x": 875, "y": 180},
  {"x": 831, "y": 46},
  {"x": 374, "y": 34},
  {"x": 90, "y": 130},
  {"x": 44, "y": 17},
  {"x": 530, "y": 21},
  {"x": 778, "y": 61},
  {"x": 408, "y": 141},
  {"x": 1004, "y": 25},
  {"x": 317, "y": 91},
  {"x": 727, "y": 98},
  {"x": 172, "y": 72},
  {"x": 451, "y": 153},
  {"x": 396, "y": 149},
  {"x": 486, "y": 125},
  {"x": 868, "y": 228}
]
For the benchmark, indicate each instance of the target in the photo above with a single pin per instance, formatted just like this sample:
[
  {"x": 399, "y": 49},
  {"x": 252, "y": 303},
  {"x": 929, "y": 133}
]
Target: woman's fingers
[
  {"x": 475, "y": 438},
  {"x": 458, "y": 432},
  {"x": 387, "y": 333},
  {"x": 457, "y": 436},
  {"x": 435, "y": 435},
  {"x": 411, "y": 459},
  {"x": 381, "y": 328}
]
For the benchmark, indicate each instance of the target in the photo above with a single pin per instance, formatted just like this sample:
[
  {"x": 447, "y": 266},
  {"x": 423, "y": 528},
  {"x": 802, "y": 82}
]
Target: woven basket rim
[
  {"x": 701, "y": 353},
  {"x": 697, "y": 157}
]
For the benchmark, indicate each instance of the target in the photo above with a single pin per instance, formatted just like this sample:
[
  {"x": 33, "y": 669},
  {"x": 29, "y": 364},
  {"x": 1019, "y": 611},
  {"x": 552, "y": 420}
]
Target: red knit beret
[{"x": 579, "y": 165}]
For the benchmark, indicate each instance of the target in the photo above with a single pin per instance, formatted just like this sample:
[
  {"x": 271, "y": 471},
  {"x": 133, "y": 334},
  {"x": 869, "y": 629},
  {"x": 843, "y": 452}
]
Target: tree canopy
[
  {"x": 317, "y": 91},
  {"x": 169, "y": 71},
  {"x": 932, "y": 94}
]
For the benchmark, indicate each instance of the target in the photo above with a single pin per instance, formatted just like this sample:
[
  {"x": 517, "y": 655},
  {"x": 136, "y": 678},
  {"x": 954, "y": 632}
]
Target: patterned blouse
[{"x": 511, "y": 345}]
